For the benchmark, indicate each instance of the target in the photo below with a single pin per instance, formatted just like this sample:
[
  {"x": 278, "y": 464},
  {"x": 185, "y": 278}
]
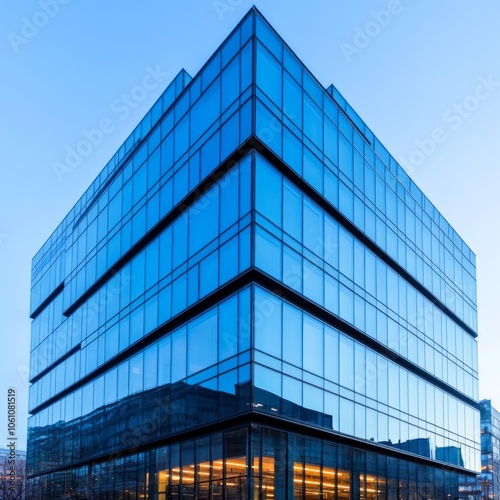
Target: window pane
[
  {"x": 313, "y": 345},
  {"x": 292, "y": 100},
  {"x": 205, "y": 111},
  {"x": 178, "y": 355},
  {"x": 202, "y": 342},
  {"x": 267, "y": 323},
  {"x": 203, "y": 220},
  {"x": 228, "y": 328},
  {"x": 313, "y": 122},
  {"x": 268, "y": 253},
  {"x": 292, "y": 335},
  {"x": 269, "y": 74},
  {"x": 230, "y": 83},
  {"x": 268, "y": 192}
]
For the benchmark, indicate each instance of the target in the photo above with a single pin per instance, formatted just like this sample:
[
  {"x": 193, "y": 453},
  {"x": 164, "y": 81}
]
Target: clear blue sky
[{"x": 422, "y": 74}]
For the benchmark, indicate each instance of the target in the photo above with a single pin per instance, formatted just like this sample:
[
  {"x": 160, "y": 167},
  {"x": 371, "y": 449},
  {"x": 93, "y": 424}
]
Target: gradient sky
[{"x": 424, "y": 75}]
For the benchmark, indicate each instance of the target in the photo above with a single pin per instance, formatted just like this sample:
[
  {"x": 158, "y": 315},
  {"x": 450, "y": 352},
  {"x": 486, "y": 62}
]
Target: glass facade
[
  {"x": 253, "y": 300},
  {"x": 489, "y": 479}
]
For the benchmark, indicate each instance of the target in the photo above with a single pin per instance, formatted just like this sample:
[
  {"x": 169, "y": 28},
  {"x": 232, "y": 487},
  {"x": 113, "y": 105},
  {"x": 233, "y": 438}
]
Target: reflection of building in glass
[
  {"x": 253, "y": 300},
  {"x": 490, "y": 450}
]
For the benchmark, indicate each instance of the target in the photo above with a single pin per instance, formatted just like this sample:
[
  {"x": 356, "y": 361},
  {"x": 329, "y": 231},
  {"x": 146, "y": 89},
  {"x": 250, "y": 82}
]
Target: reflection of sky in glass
[{"x": 404, "y": 85}]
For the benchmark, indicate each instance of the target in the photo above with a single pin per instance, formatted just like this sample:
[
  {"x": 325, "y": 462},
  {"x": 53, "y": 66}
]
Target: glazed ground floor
[{"x": 256, "y": 461}]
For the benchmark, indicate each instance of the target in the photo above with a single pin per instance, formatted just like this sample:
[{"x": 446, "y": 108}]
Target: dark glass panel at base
[{"x": 254, "y": 462}]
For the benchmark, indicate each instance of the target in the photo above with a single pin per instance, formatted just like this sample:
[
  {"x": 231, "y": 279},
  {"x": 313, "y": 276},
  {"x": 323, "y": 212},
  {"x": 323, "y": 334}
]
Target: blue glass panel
[
  {"x": 211, "y": 70},
  {"x": 331, "y": 355},
  {"x": 111, "y": 343},
  {"x": 292, "y": 105},
  {"x": 178, "y": 355},
  {"x": 114, "y": 212},
  {"x": 180, "y": 184},
  {"x": 269, "y": 75},
  {"x": 153, "y": 211},
  {"x": 346, "y": 253},
  {"x": 346, "y": 202},
  {"x": 244, "y": 320},
  {"x": 205, "y": 111},
  {"x": 228, "y": 267},
  {"x": 244, "y": 250},
  {"x": 151, "y": 314},
  {"x": 166, "y": 194},
  {"x": 346, "y": 358},
  {"x": 181, "y": 106},
  {"x": 292, "y": 211},
  {"x": 292, "y": 391},
  {"x": 124, "y": 333},
  {"x": 209, "y": 273},
  {"x": 267, "y": 323},
  {"x": 268, "y": 37},
  {"x": 292, "y": 65},
  {"x": 181, "y": 142},
  {"x": 150, "y": 366},
  {"x": 87, "y": 398},
  {"x": 313, "y": 228},
  {"x": 246, "y": 66},
  {"x": 138, "y": 225},
  {"x": 292, "y": 335},
  {"x": 313, "y": 122},
  {"x": 194, "y": 170},
  {"x": 152, "y": 263},
  {"x": 292, "y": 151},
  {"x": 137, "y": 324},
  {"x": 292, "y": 269},
  {"x": 230, "y": 83},
  {"x": 210, "y": 155},
  {"x": 139, "y": 184},
  {"x": 138, "y": 275},
  {"x": 313, "y": 398},
  {"x": 229, "y": 188},
  {"x": 202, "y": 342},
  {"x": 167, "y": 153},
  {"x": 268, "y": 128},
  {"x": 313, "y": 170},
  {"x": 268, "y": 191},
  {"x": 136, "y": 381},
  {"x": 228, "y": 328},
  {"x": 246, "y": 121},
  {"x": 346, "y": 304},
  {"x": 230, "y": 134},
  {"x": 268, "y": 253},
  {"x": 179, "y": 242},
  {"x": 179, "y": 294},
  {"x": 346, "y": 157},
  {"x": 313, "y": 282},
  {"x": 203, "y": 220},
  {"x": 345, "y": 126},
  {"x": 268, "y": 380},
  {"x": 164, "y": 359},
  {"x": 165, "y": 255},
  {"x": 313, "y": 89},
  {"x": 331, "y": 141}
]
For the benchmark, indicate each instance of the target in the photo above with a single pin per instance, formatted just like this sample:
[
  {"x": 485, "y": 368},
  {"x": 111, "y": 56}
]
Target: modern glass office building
[{"x": 253, "y": 300}]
